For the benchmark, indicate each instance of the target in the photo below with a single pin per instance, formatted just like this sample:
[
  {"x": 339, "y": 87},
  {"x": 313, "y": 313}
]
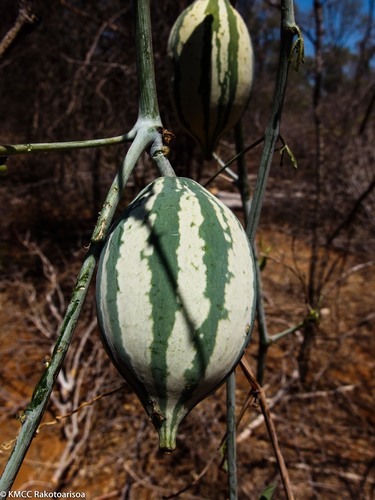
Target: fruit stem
[
  {"x": 167, "y": 437},
  {"x": 148, "y": 103}
]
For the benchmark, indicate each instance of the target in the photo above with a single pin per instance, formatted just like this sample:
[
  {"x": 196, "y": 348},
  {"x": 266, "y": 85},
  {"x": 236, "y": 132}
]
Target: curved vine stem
[
  {"x": 31, "y": 417},
  {"x": 148, "y": 135},
  {"x": 289, "y": 29}
]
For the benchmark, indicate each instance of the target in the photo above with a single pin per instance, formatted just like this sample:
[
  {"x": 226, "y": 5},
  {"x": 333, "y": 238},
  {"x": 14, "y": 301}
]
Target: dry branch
[
  {"x": 25, "y": 16},
  {"x": 270, "y": 426},
  {"x": 259, "y": 420}
]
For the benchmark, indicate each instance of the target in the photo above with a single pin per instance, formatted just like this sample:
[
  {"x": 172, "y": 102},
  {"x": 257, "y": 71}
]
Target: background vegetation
[{"x": 71, "y": 76}]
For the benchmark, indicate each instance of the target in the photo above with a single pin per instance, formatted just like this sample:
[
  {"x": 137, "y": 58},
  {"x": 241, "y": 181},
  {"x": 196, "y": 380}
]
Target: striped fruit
[
  {"x": 211, "y": 66},
  {"x": 175, "y": 298}
]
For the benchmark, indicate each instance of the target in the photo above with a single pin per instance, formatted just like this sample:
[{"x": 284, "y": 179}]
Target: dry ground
[
  {"x": 325, "y": 427},
  {"x": 108, "y": 449}
]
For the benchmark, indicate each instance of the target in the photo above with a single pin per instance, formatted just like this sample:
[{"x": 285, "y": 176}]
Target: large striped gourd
[
  {"x": 175, "y": 298},
  {"x": 211, "y": 69}
]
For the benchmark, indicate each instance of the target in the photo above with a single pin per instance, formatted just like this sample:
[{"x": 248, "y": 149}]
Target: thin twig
[
  {"x": 58, "y": 418},
  {"x": 246, "y": 368},
  {"x": 234, "y": 158},
  {"x": 159, "y": 489},
  {"x": 47, "y": 147},
  {"x": 25, "y": 16},
  {"x": 282, "y": 395},
  {"x": 194, "y": 482}
]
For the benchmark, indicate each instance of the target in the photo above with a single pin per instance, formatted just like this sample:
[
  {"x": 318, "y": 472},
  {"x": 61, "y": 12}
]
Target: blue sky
[
  {"x": 307, "y": 5},
  {"x": 350, "y": 32},
  {"x": 304, "y": 4}
]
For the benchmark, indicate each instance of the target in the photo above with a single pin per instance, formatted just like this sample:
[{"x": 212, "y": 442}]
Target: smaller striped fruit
[
  {"x": 211, "y": 70},
  {"x": 175, "y": 298}
]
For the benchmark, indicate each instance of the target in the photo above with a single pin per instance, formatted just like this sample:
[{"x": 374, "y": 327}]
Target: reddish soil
[{"x": 325, "y": 426}]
